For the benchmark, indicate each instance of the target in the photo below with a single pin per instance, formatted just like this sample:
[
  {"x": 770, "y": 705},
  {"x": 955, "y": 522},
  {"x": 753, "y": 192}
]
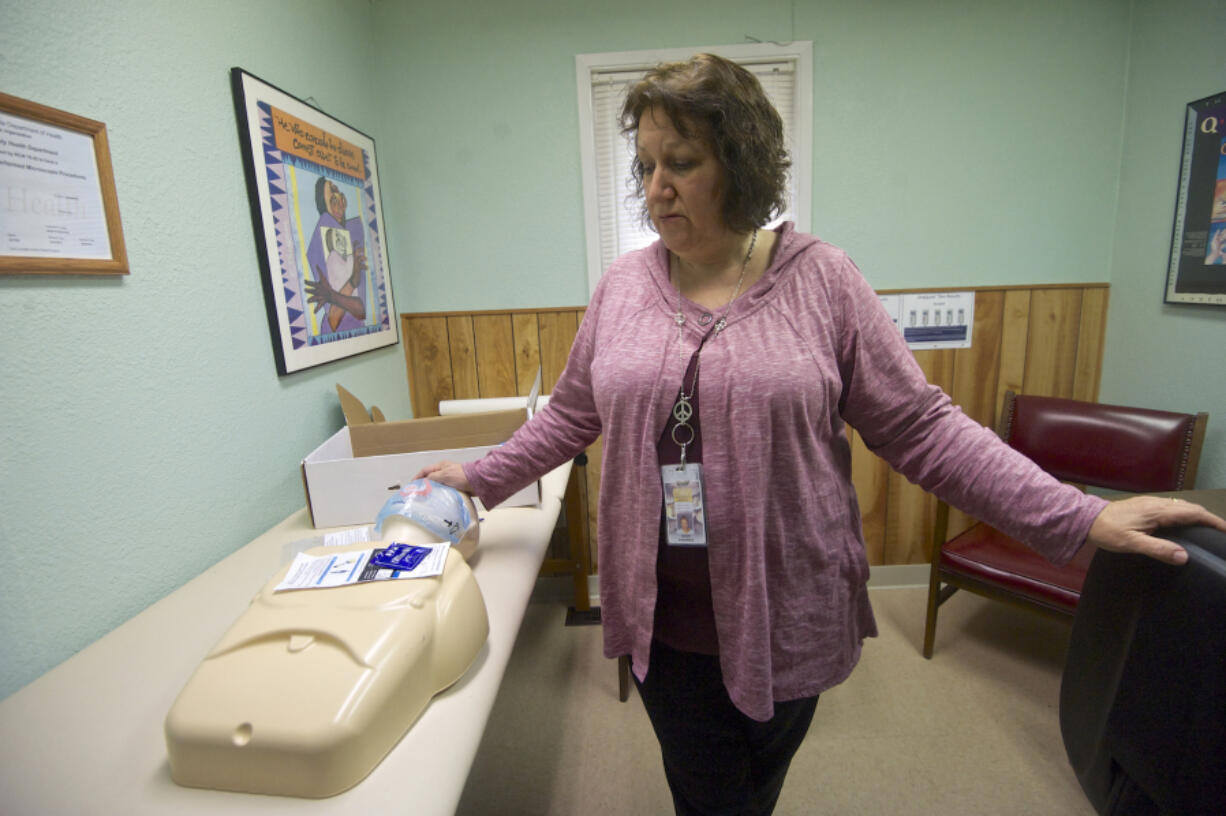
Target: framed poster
[
  {"x": 1197, "y": 272},
  {"x": 313, "y": 183},
  {"x": 59, "y": 214}
]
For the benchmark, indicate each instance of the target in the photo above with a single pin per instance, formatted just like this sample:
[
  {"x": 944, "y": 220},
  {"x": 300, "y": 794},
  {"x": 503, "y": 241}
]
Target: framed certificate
[
  {"x": 1197, "y": 270},
  {"x": 59, "y": 214}
]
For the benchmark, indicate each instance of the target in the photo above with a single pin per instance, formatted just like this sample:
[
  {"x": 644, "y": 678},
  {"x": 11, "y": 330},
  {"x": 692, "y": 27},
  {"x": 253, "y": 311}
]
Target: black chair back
[{"x": 1143, "y": 696}]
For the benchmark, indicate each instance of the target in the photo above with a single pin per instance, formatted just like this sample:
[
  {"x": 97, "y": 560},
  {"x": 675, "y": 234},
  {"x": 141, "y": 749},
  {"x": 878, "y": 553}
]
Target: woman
[{"x": 728, "y": 357}]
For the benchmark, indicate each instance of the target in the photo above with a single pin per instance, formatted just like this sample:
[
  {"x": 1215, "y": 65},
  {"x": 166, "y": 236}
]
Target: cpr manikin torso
[{"x": 310, "y": 689}]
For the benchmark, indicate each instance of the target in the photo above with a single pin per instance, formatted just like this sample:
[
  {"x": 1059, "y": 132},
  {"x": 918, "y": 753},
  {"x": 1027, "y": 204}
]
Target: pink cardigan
[{"x": 806, "y": 348}]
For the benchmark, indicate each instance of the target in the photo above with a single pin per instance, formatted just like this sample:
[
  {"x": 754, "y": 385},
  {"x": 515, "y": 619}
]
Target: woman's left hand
[{"x": 1125, "y": 526}]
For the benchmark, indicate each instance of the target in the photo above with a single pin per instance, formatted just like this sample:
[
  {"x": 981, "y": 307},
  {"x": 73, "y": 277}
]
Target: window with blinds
[{"x": 612, "y": 213}]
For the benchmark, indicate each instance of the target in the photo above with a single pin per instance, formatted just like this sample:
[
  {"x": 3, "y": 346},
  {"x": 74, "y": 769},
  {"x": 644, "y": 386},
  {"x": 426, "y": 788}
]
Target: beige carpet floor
[{"x": 973, "y": 731}]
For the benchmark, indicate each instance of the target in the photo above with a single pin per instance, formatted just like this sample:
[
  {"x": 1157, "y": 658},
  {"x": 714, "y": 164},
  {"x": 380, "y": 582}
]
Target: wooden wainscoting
[
  {"x": 1033, "y": 340},
  {"x": 469, "y": 355},
  {"x": 1045, "y": 340}
]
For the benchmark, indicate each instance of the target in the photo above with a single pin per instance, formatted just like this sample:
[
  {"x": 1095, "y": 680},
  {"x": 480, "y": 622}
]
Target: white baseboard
[
  {"x": 561, "y": 588},
  {"x": 898, "y": 576}
]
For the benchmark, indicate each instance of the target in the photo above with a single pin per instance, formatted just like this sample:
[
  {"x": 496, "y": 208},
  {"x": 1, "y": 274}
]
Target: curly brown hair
[{"x": 715, "y": 100}]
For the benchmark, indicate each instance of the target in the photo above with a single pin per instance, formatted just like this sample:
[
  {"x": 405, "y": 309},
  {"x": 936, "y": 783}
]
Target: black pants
[{"x": 717, "y": 760}]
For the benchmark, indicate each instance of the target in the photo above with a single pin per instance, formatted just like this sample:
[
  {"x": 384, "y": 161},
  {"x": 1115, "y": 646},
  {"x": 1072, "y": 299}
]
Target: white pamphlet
[{"x": 348, "y": 568}]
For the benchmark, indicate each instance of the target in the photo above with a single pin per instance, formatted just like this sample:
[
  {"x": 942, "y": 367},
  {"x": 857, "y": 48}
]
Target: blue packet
[{"x": 403, "y": 557}]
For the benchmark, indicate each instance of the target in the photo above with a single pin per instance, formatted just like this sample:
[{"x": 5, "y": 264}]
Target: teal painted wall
[
  {"x": 1167, "y": 356},
  {"x": 146, "y": 433},
  {"x": 955, "y": 142}
]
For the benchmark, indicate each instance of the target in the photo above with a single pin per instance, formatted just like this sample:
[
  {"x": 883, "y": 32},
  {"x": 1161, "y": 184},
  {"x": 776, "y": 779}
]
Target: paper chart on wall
[{"x": 933, "y": 320}]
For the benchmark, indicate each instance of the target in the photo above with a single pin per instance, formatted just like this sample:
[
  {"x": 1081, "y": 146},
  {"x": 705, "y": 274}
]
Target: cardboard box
[{"x": 349, "y": 477}]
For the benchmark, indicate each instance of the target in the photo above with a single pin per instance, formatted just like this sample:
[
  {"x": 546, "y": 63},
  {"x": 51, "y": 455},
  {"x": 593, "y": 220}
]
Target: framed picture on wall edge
[
  {"x": 1197, "y": 270},
  {"x": 313, "y": 185}
]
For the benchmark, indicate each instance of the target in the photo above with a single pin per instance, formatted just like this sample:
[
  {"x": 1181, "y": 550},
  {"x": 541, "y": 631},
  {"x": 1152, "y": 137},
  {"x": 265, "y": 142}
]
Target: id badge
[{"x": 686, "y": 524}]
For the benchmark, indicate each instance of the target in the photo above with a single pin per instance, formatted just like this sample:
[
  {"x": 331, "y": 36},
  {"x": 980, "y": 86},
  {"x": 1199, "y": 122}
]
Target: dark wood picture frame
[
  {"x": 317, "y": 213},
  {"x": 1196, "y": 271}
]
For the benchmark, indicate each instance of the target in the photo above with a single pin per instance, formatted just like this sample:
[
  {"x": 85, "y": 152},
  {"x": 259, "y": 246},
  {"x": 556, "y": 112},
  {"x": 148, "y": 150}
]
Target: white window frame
[{"x": 587, "y": 66}]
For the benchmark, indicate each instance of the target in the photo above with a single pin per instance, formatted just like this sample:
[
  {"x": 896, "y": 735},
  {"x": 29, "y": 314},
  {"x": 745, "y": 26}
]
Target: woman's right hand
[{"x": 448, "y": 473}]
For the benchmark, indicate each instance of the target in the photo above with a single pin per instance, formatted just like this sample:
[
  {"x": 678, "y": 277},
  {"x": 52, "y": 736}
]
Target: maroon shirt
[{"x": 685, "y": 616}]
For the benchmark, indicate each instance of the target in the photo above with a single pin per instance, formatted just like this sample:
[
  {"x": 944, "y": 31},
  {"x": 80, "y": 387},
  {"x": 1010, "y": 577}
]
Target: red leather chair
[{"x": 1135, "y": 450}]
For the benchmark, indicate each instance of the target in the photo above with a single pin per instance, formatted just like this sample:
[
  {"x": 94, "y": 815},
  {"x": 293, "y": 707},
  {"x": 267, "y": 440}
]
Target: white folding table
[{"x": 87, "y": 737}]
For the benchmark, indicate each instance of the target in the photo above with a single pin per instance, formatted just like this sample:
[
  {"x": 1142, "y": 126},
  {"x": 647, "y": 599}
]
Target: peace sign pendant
[{"x": 682, "y": 410}]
